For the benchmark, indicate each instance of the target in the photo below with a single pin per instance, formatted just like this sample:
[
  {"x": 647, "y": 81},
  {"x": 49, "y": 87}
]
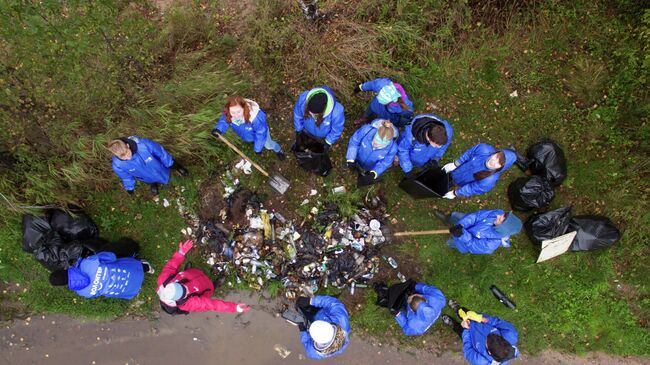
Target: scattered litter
[
  {"x": 165, "y": 203},
  {"x": 514, "y": 94},
  {"x": 252, "y": 246},
  {"x": 313, "y": 192},
  {"x": 282, "y": 351},
  {"x": 339, "y": 190},
  {"x": 304, "y": 202},
  {"x": 245, "y": 166}
]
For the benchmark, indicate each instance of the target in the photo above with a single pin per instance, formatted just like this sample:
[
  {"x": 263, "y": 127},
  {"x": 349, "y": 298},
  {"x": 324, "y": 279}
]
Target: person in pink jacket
[{"x": 189, "y": 290}]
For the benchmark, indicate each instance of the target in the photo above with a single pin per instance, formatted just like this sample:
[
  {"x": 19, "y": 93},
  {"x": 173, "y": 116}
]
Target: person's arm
[
  {"x": 355, "y": 142},
  {"x": 158, "y": 151},
  {"x": 471, "y": 355},
  {"x": 336, "y": 127},
  {"x": 203, "y": 304},
  {"x": 336, "y": 309},
  {"x": 383, "y": 164},
  {"x": 106, "y": 257},
  {"x": 261, "y": 130},
  {"x": 127, "y": 179},
  {"x": 308, "y": 343},
  {"x": 404, "y": 152},
  {"x": 508, "y": 331},
  {"x": 171, "y": 267},
  {"x": 469, "y": 153},
  {"x": 478, "y": 187},
  {"x": 433, "y": 295},
  {"x": 222, "y": 125},
  {"x": 299, "y": 112},
  {"x": 375, "y": 85}
]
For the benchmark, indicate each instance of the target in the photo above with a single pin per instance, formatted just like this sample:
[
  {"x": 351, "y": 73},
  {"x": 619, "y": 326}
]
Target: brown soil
[{"x": 203, "y": 338}]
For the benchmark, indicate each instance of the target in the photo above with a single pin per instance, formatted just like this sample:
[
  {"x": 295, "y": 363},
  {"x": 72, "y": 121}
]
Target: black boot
[
  {"x": 154, "y": 188},
  {"x": 444, "y": 218},
  {"x": 181, "y": 170}
]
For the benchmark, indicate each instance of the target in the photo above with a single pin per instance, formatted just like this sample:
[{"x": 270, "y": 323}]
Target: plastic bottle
[{"x": 502, "y": 297}]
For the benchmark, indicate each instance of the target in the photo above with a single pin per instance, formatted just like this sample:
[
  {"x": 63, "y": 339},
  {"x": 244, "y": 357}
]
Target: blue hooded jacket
[
  {"x": 370, "y": 159},
  {"x": 417, "y": 323},
  {"x": 479, "y": 235},
  {"x": 411, "y": 152},
  {"x": 149, "y": 164},
  {"x": 331, "y": 127},
  {"x": 474, "y": 339},
  {"x": 473, "y": 161},
  {"x": 334, "y": 312},
  {"x": 391, "y": 111},
  {"x": 105, "y": 275},
  {"x": 255, "y": 130}
]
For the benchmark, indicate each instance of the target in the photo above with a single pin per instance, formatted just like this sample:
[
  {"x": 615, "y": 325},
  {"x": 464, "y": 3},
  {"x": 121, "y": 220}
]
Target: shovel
[
  {"x": 278, "y": 182},
  {"x": 388, "y": 232}
]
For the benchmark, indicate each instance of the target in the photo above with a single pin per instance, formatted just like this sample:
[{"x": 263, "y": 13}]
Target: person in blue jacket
[
  {"x": 423, "y": 309},
  {"x": 328, "y": 329},
  {"x": 486, "y": 340},
  {"x": 390, "y": 102},
  {"x": 103, "y": 274},
  {"x": 136, "y": 158},
  {"x": 423, "y": 142},
  {"x": 478, "y": 170},
  {"x": 319, "y": 115},
  {"x": 372, "y": 150},
  {"x": 248, "y": 121}
]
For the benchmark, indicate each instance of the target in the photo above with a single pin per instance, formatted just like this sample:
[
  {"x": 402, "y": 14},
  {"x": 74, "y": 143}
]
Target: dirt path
[{"x": 204, "y": 338}]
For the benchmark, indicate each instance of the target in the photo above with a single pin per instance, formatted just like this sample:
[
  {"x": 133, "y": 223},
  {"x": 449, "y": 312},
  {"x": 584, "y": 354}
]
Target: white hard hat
[
  {"x": 171, "y": 292},
  {"x": 322, "y": 333}
]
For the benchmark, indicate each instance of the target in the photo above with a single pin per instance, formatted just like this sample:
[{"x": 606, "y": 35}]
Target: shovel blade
[{"x": 279, "y": 183}]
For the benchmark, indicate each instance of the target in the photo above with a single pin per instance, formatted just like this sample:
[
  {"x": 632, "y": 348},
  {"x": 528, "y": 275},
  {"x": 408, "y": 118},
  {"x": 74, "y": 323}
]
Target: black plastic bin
[{"x": 430, "y": 183}]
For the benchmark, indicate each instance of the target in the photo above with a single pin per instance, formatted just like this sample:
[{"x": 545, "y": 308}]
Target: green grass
[{"x": 581, "y": 74}]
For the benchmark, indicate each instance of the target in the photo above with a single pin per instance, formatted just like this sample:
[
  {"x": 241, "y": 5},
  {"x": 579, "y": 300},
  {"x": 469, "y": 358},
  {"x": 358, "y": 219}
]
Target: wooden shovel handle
[
  {"x": 421, "y": 233},
  {"x": 240, "y": 153}
]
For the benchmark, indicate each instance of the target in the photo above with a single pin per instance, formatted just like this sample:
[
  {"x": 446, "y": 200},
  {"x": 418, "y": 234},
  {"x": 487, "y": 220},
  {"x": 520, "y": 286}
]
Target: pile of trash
[
  {"x": 251, "y": 245},
  {"x": 546, "y": 168},
  {"x": 57, "y": 238}
]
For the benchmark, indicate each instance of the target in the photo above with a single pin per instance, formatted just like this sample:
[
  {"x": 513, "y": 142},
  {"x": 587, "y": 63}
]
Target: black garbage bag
[
  {"x": 311, "y": 155},
  {"x": 593, "y": 232},
  {"x": 35, "y": 229},
  {"x": 59, "y": 256},
  {"x": 431, "y": 182},
  {"x": 77, "y": 227},
  {"x": 547, "y": 159},
  {"x": 527, "y": 193},
  {"x": 398, "y": 296},
  {"x": 546, "y": 226}
]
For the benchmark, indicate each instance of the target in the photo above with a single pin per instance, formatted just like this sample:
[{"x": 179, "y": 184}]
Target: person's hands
[
  {"x": 302, "y": 326},
  {"x": 456, "y": 230},
  {"x": 465, "y": 324},
  {"x": 184, "y": 247},
  {"x": 357, "y": 88},
  {"x": 449, "y": 195},
  {"x": 242, "y": 307},
  {"x": 303, "y": 302},
  {"x": 215, "y": 132},
  {"x": 351, "y": 165},
  {"x": 367, "y": 178},
  {"x": 449, "y": 167}
]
